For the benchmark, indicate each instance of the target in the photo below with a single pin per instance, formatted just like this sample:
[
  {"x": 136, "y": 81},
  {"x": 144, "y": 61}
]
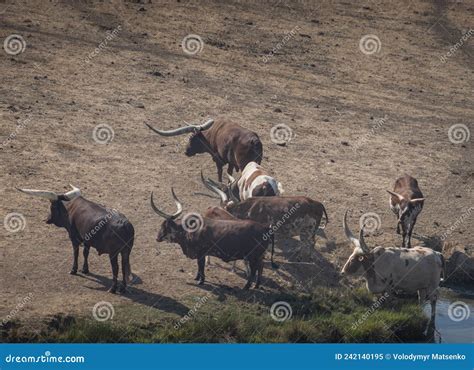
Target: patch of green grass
[{"x": 327, "y": 315}]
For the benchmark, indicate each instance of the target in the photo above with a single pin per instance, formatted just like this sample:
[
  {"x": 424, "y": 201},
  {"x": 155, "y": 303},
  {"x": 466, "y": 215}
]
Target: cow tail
[
  {"x": 326, "y": 219},
  {"x": 272, "y": 238}
]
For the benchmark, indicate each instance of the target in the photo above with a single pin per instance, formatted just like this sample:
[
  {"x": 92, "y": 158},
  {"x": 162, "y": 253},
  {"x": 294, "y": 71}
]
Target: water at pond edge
[{"x": 454, "y": 316}]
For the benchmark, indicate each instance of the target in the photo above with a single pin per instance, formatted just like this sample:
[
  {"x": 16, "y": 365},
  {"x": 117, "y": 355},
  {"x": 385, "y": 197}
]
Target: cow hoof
[
  {"x": 196, "y": 278},
  {"x": 113, "y": 290},
  {"x": 201, "y": 282},
  {"x": 73, "y": 272},
  {"x": 122, "y": 289},
  {"x": 85, "y": 271}
]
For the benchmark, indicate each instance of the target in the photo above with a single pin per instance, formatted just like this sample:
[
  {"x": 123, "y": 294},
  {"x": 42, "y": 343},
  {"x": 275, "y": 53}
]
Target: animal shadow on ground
[
  {"x": 141, "y": 296},
  {"x": 304, "y": 266}
]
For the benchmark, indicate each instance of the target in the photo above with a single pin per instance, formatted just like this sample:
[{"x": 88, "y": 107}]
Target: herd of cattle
[{"x": 252, "y": 212}]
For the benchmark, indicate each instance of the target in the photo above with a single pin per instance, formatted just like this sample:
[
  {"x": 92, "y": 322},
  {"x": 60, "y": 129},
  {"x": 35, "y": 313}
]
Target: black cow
[
  {"x": 228, "y": 239},
  {"x": 92, "y": 225}
]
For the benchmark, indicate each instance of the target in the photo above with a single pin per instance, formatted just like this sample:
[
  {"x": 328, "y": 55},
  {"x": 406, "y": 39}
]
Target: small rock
[
  {"x": 181, "y": 270},
  {"x": 142, "y": 9},
  {"x": 345, "y": 143},
  {"x": 277, "y": 110}
]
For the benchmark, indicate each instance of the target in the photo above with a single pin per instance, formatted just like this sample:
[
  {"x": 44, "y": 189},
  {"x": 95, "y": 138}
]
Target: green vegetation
[{"x": 327, "y": 315}]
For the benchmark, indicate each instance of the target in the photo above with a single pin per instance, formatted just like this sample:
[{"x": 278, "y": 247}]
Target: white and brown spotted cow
[
  {"x": 288, "y": 216},
  {"x": 388, "y": 269}
]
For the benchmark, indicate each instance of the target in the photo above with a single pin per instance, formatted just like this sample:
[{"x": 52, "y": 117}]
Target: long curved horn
[
  {"x": 163, "y": 214},
  {"x": 395, "y": 194},
  {"x": 50, "y": 195},
  {"x": 357, "y": 243},
  {"x": 363, "y": 245},
  {"x": 182, "y": 130},
  {"x": 231, "y": 178},
  {"x": 179, "y": 206},
  {"x": 75, "y": 192},
  {"x": 417, "y": 200},
  {"x": 216, "y": 190}
]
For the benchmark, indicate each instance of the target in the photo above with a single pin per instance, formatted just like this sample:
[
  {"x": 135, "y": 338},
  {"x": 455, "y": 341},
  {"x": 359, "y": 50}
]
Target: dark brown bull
[
  {"x": 287, "y": 216},
  {"x": 92, "y": 225},
  {"x": 229, "y": 240},
  {"x": 227, "y": 143},
  {"x": 406, "y": 201}
]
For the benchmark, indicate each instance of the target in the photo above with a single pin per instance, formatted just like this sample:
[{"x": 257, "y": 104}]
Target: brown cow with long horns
[{"x": 227, "y": 143}]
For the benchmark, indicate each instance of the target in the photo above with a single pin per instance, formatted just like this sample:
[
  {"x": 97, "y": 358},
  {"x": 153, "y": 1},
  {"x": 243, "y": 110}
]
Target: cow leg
[
  {"x": 433, "y": 299},
  {"x": 404, "y": 236},
  {"x": 259, "y": 273},
  {"x": 85, "y": 266},
  {"x": 115, "y": 268},
  {"x": 251, "y": 277},
  {"x": 398, "y": 228},
  {"x": 219, "y": 171},
  {"x": 201, "y": 264},
  {"x": 230, "y": 169},
  {"x": 125, "y": 272},
  {"x": 410, "y": 231},
  {"x": 75, "y": 249}
]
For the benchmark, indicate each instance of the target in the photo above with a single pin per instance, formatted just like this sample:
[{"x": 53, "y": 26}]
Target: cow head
[
  {"x": 171, "y": 229},
  {"x": 197, "y": 142},
  {"x": 58, "y": 213},
  {"x": 361, "y": 258},
  {"x": 406, "y": 206}
]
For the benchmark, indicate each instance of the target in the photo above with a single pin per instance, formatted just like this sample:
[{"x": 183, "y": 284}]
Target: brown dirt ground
[{"x": 318, "y": 83}]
